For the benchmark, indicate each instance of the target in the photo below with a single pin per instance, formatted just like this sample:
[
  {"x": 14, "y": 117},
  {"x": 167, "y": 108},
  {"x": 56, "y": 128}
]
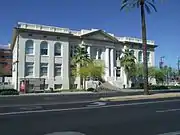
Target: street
[
  {"x": 64, "y": 98},
  {"x": 146, "y": 117}
]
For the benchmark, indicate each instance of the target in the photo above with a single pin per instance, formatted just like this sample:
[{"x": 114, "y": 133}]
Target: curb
[{"x": 141, "y": 97}]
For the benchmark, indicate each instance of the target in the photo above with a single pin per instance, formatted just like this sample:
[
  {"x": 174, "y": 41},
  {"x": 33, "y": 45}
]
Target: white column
[
  {"x": 89, "y": 51},
  {"x": 115, "y": 73},
  {"x": 97, "y": 54},
  {"x": 107, "y": 63},
  {"x": 112, "y": 62}
]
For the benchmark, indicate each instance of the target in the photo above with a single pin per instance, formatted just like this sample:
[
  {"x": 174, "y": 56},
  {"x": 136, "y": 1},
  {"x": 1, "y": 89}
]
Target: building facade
[
  {"x": 41, "y": 51},
  {"x": 5, "y": 63}
]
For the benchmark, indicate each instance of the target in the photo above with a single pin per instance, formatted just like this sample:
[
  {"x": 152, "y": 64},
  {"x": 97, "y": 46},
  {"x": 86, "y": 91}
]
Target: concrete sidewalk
[
  {"x": 141, "y": 97},
  {"x": 44, "y": 94}
]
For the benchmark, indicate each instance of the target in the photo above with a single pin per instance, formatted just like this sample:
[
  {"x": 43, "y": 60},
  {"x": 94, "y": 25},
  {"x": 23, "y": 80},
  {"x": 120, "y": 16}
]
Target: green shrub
[
  {"x": 174, "y": 87},
  {"x": 91, "y": 89},
  {"x": 9, "y": 92}
]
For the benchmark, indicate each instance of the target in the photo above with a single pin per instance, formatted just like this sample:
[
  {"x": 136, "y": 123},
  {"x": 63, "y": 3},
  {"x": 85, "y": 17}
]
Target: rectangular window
[
  {"x": 99, "y": 53},
  {"x": 43, "y": 86},
  {"x": 44, "y": 51},
  {"x": 57, "y": 86},
  {"x": 29, "y": 49},
  {"x": 57, "y": 69},
  {"x": 118, "y": 72},
  {"x": 73, "y": 50},
  {"x": 43, "y": 69},
  {"x": 57, "y": 50},
  {"x": 29, "y": 68},
  {"x": 118, "y": 54}
]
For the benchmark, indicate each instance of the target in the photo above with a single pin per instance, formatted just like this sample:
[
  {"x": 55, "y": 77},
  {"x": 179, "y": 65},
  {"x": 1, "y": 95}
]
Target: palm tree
[
  {"x": 81, "y": 60},
  {"x": 82, "y": 57},
  {"x": 128, "y": 62},
  {"x": 148, "y": 5}
]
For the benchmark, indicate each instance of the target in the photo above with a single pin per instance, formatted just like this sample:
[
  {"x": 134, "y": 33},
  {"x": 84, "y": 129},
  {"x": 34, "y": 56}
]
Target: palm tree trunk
[
  {"x": 127, "y": 79},
  {"x": 144, "y": 41}
]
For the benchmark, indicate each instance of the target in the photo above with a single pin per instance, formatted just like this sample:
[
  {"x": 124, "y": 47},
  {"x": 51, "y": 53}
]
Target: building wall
[
  {"x": 97, "y": 49},
  {"x": 36, "y": 58},
  {"x": 6, "y": 60}
]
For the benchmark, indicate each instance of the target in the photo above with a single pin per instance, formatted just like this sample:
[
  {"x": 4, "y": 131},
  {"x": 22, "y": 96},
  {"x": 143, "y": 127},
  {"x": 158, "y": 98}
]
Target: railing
[
  {"x": 43, "y": 27},
  {"x": 136, "y": 40}
]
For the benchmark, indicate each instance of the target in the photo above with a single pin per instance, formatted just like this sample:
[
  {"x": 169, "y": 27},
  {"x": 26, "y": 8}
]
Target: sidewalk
[
  {"x": 42, "y": 94},
  {"x": 141, "y": 90},
  {"x": 141, "y": 97}
]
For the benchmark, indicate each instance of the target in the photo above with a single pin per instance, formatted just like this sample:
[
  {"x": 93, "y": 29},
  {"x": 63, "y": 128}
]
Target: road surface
[
  {"x": 147, "y": 117},
  {"x": 64, "y": 98}
]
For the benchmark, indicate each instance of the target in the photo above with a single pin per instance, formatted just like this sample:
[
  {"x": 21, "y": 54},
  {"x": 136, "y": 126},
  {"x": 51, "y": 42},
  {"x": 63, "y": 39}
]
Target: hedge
[
  {"x": 9, "y": 92},
  {"x": 157, "y": 87}
]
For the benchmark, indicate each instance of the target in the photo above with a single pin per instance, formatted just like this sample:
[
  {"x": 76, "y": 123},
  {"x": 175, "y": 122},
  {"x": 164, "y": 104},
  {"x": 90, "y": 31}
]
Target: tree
[
  {"x": 138, "y": 74},
  {"x": 81, "y": 60},
  {"x": 82, "y": 57},
  {"x": 160, "y": 76},
  {"x": 92, "y": 70},
  {"x": 128, "y": 62},
  {"x": 143, "y": 4}
]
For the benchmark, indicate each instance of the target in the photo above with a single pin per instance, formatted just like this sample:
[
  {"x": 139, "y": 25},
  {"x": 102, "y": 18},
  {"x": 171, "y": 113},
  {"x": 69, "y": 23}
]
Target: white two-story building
[{"x": 41, "y": 51}]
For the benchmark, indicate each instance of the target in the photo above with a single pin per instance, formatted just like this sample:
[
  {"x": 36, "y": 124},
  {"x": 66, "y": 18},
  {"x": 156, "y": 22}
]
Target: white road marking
[
  {"x": 86, "y": 108},
  {"x": 168, "y": 110},
  {"x": 42, "y": 104},
  {"x": 30, "y": 108},
  {"x": 97, "y": 104},
  {"x": 171, "y": 133},
  {"x": 65, "y": 133}
]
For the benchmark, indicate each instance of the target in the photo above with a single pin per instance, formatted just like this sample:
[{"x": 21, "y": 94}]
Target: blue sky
[{"x": 163, "y": 26}]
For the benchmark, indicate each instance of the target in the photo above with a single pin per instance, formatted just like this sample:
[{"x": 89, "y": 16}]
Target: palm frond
[
  {"x": 147, "y": 9},
  {"x": 152, "y": 5}
]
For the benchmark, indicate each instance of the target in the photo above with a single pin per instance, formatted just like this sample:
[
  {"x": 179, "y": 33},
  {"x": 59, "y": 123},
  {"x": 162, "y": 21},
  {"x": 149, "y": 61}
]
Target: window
[
  {"x": 57, "y": 69},
  {"x": 140, "y": 46},
  {"x": 132, "y": 46},
  {"x": 44, "y": 48},
  {"x": 118, "y": 54},
  {"x": 132, "y": 52},
  {"x": 29, "y": 68},
  {"x": 29, "y": 47},
  {"x": 148, "y": 56},
  {"x": 73, "y": 50},
  {"x": 57, "y": 86},
  {"x": 57, "y": 49},
  {"x": 43, "y": 86},
  {"x": 140, "y": 56},
  {"x": 118, "y": 71},
  {"x": 43, "y": 69},
  {"x": 99, "y": 53}
]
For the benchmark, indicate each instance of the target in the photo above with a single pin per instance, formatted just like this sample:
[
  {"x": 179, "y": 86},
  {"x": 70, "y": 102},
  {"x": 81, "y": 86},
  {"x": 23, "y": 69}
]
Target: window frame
[
  {"x": 55, "y": 69},
  {"x": 29, "y": 47},
  {"x": 140, "y": 56},
  {"x": 27, "y": 66},
  {"x": 43, "y": 66},
  {"x": 56, "y": 45},
  {"x": 44, "y": 46}
]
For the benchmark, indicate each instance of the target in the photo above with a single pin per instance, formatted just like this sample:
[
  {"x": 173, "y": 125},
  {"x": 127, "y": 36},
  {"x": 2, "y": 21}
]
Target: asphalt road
[
  {"x": 64, "y": 98},
  {"x": 148, "y": 117}
]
